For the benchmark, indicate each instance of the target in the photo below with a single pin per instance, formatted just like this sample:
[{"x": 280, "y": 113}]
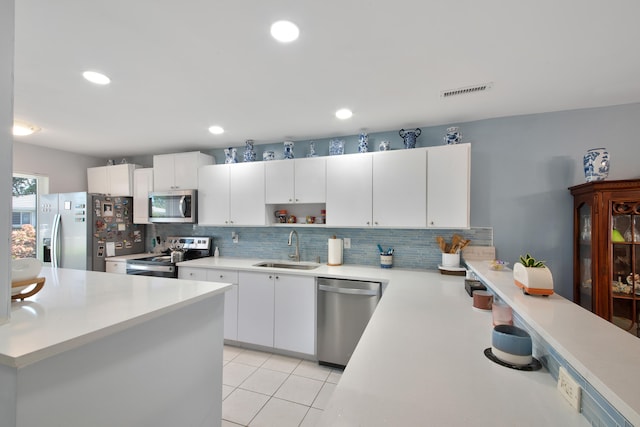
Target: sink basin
[{"x": 289, "y": 265}]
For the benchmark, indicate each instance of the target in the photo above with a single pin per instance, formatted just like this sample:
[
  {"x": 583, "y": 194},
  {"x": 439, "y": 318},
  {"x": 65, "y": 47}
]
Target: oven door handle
[{"x": 142, "y": 267}]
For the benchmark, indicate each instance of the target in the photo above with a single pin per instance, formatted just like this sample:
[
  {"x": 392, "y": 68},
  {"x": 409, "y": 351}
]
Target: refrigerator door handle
[
  {"x": 55, "y": 243},
  {"x": 183, "y": 206}
]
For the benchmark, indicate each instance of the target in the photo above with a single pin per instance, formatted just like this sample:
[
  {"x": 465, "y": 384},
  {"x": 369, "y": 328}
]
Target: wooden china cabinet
[{"x": 606, "y": 250}]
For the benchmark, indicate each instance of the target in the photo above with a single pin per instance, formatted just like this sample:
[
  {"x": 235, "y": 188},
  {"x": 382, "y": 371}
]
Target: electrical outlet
[
  {"x": 569, "y": 388},
  {"x": 347, "y": 242},
  {"x": 234, "y": 237}
]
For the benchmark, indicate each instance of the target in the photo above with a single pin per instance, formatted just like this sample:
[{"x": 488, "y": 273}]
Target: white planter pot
[{"x": 533, "y": 280}]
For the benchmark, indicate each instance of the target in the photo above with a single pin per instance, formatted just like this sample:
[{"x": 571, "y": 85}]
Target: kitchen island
[{"x": 104, "y": 349}]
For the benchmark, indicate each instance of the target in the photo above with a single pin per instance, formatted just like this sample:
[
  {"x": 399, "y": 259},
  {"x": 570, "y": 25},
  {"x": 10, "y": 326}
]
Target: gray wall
[
  {"x": 67, "y": 172},
  {"x": 6, "y": 123}
]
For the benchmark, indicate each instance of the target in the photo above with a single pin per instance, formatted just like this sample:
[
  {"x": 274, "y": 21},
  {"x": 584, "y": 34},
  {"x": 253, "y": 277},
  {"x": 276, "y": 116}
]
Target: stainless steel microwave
[{"x": 173, "y": 206}]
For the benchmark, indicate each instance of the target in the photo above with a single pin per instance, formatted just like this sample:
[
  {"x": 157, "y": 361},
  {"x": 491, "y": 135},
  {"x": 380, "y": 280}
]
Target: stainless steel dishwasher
[{"x": 344, "y": 309}]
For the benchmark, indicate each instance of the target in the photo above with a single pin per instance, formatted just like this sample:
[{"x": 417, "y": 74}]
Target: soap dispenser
[{"x": 216, "y": 252}]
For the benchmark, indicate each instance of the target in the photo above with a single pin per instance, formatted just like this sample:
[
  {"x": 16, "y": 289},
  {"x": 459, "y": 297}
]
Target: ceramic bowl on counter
[{"x": 511, "y": 345}]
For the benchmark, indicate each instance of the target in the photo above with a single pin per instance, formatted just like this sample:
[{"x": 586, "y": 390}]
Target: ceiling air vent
[{"x": 465, "y": 90}]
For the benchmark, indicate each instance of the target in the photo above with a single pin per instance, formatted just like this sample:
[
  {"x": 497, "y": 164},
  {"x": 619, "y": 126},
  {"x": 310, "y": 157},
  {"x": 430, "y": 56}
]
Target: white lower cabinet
[
  {"x": 255, "y": 307},
  {"x": 295, "y": 314},
  {"x": 267, "y": 309},
  {"x": 230, "y": 297},
  {"x": 277, "y": 310},
  {"x": 230, "y": 300}
]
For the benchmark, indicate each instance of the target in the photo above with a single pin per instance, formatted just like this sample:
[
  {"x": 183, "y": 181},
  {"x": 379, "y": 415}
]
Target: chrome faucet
[{"x": 295, "y": 256}]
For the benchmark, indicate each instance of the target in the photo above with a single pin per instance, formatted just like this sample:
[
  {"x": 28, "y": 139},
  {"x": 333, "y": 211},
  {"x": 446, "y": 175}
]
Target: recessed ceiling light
[
  {"x": 216, "y": 130},
  {"x": 344, "y": 113},
  {"x": 97, "y": 78},
  {"x": 23, "y": 129},
  {"x": 284, "y": 31}
]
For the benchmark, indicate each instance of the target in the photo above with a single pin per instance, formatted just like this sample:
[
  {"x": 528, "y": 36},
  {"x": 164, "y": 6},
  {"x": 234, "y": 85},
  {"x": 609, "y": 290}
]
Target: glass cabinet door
[
  {"x": 625, "y": 251},
  {"x": 584, "y": 257}
]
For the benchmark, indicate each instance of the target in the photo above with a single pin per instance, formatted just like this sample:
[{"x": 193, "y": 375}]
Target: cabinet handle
[
  {"x": 297, "y": 200},
  {"x": 226, "y": 222},
  {"x": 430, "y": 222},
  {"x": 221, "y": 276},
  {"x": 368, "y": 223},
  {"x": 277, "y": 277},
  {"x": 270, "y": 277},
  {"x": 376, "y": 223},
  {"x": 290, "y": 200}
]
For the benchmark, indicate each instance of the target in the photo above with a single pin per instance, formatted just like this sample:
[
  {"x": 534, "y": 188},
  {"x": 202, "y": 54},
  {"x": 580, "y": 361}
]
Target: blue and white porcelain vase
[
  {"x": 230, "y": 155},
  {"x": 596, "y": 164},
  {"x": 312, "y": 150},
  {"x": 363, "y": 143},
  {"x": 384, "y": 146},
  {"x": 453, "y": 135},
  {"x": 249, "y": 154},
  {"x": 409, "y": 137},
  {"x": 268, "y": 156},
  {"x": 288, "y": 149},
  {"x": 336, "y": 147}
]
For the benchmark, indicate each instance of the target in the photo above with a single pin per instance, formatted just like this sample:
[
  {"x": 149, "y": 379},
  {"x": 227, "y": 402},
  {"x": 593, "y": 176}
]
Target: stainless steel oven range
[{"x": 164, "y": 265}]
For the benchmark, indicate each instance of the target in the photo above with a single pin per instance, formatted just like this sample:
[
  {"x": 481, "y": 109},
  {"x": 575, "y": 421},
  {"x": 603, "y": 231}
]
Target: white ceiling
[{"x": 178, "y": 67}]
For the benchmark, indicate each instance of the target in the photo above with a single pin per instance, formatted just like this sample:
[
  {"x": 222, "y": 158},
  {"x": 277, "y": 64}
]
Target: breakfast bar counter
[
  {"x": 106, "y": 349},
  {"x": 421, "y": 362}
]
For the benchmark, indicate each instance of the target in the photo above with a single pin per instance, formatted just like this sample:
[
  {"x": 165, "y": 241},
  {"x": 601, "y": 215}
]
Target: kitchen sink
[{"x": 289, "y": 265}]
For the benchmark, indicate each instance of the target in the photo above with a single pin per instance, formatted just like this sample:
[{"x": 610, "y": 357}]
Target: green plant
[{"x": 529, "y": 261}]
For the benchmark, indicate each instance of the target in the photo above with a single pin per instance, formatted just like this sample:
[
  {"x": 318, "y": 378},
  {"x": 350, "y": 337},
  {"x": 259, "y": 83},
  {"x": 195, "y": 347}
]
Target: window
[{"x": 23, "y": 234}]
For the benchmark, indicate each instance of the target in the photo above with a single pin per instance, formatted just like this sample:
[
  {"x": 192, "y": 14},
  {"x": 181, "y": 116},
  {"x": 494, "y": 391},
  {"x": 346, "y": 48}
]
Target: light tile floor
[{"x": 263, "y": 389}]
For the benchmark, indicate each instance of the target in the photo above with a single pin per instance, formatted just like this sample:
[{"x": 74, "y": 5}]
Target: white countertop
[
  {"x": 605, "y": 355},
  {"x": 76, "y": 307},
  {"x": 323, "y": 270},
  {"x": 420, "y": 359},
  {"x": 421, "y": 362}
]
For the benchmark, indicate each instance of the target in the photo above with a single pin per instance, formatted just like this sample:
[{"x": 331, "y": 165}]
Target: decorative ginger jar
[
  {"x": 288, "y": 149},
  {"x": 596, "y": 164},
  {"x": 453, "y": 135}
]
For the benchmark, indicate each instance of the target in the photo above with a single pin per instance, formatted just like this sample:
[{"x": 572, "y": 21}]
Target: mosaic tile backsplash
[{"x": 413, "y": 248}]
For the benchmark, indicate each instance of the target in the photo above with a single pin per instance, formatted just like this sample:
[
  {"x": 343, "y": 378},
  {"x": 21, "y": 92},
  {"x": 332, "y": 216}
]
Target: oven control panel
[{"x": 197, "y": 242}]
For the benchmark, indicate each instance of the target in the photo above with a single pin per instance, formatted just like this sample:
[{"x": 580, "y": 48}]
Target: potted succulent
[{"x": 532, "y": 276}]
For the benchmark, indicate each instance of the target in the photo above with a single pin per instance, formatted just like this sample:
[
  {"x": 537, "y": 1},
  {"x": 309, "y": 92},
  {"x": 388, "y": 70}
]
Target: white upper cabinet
[
  {"x": 295, "y": 181},
  {"x": 142, "y": 186},
  {"x": 115, "y": 180},
  {"x": 400, "y": 188},
  {"x": 232, "y": 194},
  {"x": 448, "y": 186},
  {"x": 178, "y": 171},
  {"x": 349, "y": 190}
]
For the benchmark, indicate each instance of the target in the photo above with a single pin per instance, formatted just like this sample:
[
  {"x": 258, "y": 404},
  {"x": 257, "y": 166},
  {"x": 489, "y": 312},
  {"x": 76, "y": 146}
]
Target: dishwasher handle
[{"x": 351, "y": 291}]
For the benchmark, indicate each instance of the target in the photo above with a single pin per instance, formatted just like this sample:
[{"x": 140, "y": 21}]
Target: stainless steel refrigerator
[{"x": 79, "y": 230}]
